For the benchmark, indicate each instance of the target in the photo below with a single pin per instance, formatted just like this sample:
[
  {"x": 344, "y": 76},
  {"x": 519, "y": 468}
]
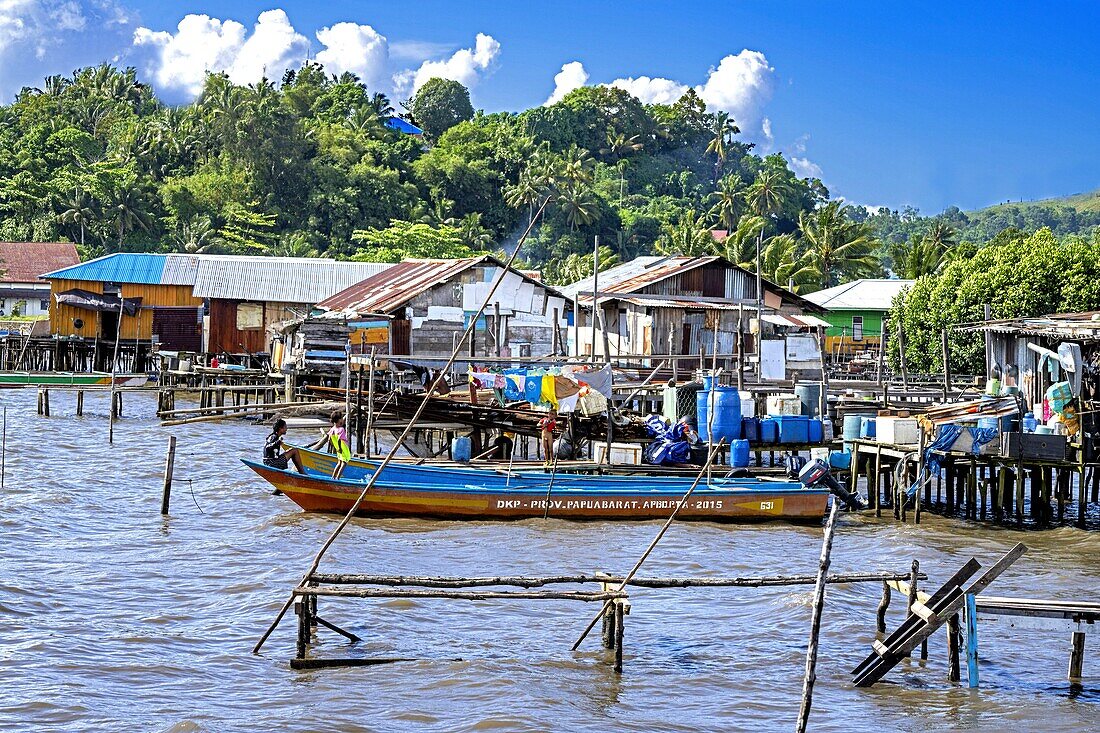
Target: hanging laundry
[
  {"x": 565, "y": 387},
  {"x": 484, "y": 380},
  {"x": 599, "y": 379},
  {"x": 547, "y": 393},
  {"x": 532, "y": 388},
  {"x": 568, "y": 404},
  {"x": 513, "y": 387}
]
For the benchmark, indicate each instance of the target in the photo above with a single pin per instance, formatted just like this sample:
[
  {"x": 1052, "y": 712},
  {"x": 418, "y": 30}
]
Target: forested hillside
[{"x": 309, "y": 166}]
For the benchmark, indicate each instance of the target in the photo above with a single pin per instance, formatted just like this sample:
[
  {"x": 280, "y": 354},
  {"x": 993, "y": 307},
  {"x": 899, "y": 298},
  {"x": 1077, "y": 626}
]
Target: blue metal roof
[
  {"x": 121, "y": 267},
  {"x": 396, "y": 123}
]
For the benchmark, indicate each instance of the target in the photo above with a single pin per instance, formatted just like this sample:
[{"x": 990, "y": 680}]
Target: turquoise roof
[{"x": 121, "y": 267}]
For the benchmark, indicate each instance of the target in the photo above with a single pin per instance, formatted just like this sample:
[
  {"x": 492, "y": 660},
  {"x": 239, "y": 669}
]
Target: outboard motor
[{"x": 816, "y": 472}]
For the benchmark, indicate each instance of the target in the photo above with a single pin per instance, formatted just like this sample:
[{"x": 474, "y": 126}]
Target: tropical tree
[
  {"x": 439, "y": 105},
  {"x": 619, "y": 146},
  {"x": 765, "y": 197},
  {"x": 722, "y": 131},
  {"x": 687, "y": 236},
  {"x": 578, "y": 266},
  {"x": 729, "y": 202},
  {"x": 578, "y": 203},
  {"x": 80, "y": 211},
  {"x": 836, "y": 247}
]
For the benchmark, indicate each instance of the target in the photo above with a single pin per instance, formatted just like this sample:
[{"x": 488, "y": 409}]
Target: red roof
[{"x": 23, "y": 262}]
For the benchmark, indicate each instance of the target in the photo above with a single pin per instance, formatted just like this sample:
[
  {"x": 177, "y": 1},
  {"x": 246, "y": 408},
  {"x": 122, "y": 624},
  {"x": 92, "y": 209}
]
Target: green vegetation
[
  {"x": 308, "y": 166},
  {"x": 1016, "y": 275}
]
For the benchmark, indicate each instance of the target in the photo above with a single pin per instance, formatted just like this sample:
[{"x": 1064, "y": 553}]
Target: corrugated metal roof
[
  {"x": 866, "y": 294},
  {"x": 120, "y": 267},
  {"x": 681, "y": 303},
  {"x": 800, "y": 321},
  {"x": 23, "y": 262},
  {"x": 279, "y": 279},
  {"x": 389, "y": 290},
  {"x": 635, "y": 275},
  {"x": 1081, "y": 326},
  {"x": 180, "y": 269}
]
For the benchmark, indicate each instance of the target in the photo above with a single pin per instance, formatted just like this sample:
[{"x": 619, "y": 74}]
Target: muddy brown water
[{"x": 114, "y": 618}]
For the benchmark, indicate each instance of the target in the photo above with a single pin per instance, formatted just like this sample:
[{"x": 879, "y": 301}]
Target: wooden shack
[
  {"x": 670, "y": 305},
  {"x": 160, "y": 306},
  {"x": 247, "y": 297},
  {"x": 430, "y": 304}
]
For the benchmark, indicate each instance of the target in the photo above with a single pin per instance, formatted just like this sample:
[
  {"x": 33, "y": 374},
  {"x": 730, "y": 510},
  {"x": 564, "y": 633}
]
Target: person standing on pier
[
  {"x": 338, "y": 437},
  {"x": 275, "y": 455},
  {"x": 547, "y": 426}
]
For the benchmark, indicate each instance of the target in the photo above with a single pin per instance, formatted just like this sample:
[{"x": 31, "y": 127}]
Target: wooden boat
[
  {"x": 317, "y": 463},
  {"x": 65, "y": 379},
  {"x": 721, "y": 501}
]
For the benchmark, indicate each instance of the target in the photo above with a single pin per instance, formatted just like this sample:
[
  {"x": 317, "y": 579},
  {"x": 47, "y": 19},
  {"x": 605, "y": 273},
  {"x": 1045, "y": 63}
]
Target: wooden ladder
[{"x": 925, "y": 617}]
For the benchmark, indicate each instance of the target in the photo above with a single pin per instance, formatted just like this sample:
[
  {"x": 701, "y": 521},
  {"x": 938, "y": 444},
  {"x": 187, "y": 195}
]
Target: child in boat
[
  {"x": 275, "y": 455},
  {"x": 547, "y": 426},
  {"x": 338, "y": 438}
]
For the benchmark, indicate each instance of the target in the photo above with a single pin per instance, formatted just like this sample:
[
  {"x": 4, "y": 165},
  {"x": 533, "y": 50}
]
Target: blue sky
[{"x": 929, "y": 105}]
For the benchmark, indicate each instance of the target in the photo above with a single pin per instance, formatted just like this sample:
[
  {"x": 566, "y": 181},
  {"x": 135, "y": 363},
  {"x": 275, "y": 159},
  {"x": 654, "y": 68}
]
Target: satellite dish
[{"x": 78, "y": 323}]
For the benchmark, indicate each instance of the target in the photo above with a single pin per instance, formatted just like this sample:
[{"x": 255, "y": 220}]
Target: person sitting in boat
[
  {"x": 546, "y": 426},
  {"x": 275, "y": 454},
  {"x": 338, "y": 439},
  {"x": 503, "y": 445}
]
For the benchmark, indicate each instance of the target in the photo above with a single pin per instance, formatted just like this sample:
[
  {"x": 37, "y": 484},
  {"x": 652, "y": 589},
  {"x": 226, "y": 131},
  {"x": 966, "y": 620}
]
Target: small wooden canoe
[
  {"x": 753, "y": 501},
  {"x": 64, "y": 379}
]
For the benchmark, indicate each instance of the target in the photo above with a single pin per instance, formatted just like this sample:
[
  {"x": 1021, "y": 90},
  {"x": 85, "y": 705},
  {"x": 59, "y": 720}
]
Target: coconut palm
[
  {"x": 722, "y": 130},
  {"x": 765, "y": 198},
  {"x": 836, "y": 246},
  {"x": 579, "y": 204},
  {"x": 380, "y": 104},
  {"x": 619, "y": 147},
  {"x": 729, "y": 203},
  {"x": 782, "y": 263},
  {"x": 81, "y": 210},
  {"x": 688, "y": 236},
  {"x": 125, "y": 209},
  {"x": 473, "y": 234},
  {"x": 739, "y": 246}
]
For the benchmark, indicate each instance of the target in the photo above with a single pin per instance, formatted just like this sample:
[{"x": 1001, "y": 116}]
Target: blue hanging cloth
[{"x": 532, "y": 388}]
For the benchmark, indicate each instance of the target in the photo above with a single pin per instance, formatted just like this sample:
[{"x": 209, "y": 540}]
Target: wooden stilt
[
  {"x": 79, "y": 402},
  {"x": 1077, "y": 656},
  {"x": 883, "y": 605},
  {"x": 971, "y": 616},
  {"x": 620, "y": 613},
  {"x": 953, "y": 648},
  {"x": 169, "y": 467}
]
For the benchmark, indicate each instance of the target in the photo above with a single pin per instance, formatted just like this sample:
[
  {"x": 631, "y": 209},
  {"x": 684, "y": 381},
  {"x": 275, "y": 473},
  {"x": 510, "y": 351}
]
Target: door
[{"x": 399, "y": 337}]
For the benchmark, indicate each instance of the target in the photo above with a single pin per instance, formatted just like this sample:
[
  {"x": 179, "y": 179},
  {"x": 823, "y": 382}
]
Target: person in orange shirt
[{"x": 546, "y": 426}]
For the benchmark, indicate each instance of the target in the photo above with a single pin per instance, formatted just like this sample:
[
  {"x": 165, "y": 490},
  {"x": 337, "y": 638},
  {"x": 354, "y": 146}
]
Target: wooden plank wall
[
  {"x": 141, "y": 327},
  {"x": 62, "y": 317}
]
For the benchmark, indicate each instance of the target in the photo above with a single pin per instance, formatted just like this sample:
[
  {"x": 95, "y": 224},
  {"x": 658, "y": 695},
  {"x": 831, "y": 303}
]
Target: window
[
  {"x": 44, "y": 304},
  {"x": 250, "y": 316},
  {"x": 857, "y": 328}
]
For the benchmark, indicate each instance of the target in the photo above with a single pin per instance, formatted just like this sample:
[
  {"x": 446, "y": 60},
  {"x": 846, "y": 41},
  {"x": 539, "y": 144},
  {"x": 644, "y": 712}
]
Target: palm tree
[
  {"x": 575, "y": 165},
  {"x": 619, "y": 146},
  {"x": 81, "y": 211},
  {"x": 836, "y": 246},
  {"x": 381, "y": 106},
  {"x": 942, "y": 236},
  {"x": 577, "y": 266},
  {"x": 197, "y": 237},
  {"x": 722, "y": 130},
  {"x": 784, "y": 264},
  {"x": 739, "y": 246},
  {"x": 728, "y": 203},
  {"x": 473, "y": 234},
  {"x": 579, "y": 204},
  {"x": 126, "y": 209},
  {"x": 687, "y": 236},
  {"x": 524, "y": 192},
  {"x": 765, "y": 198}
]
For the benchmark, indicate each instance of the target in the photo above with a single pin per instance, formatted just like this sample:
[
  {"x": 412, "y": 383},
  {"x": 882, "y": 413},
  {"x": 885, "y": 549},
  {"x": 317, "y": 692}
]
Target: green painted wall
[{"x": 841, "y": 321}]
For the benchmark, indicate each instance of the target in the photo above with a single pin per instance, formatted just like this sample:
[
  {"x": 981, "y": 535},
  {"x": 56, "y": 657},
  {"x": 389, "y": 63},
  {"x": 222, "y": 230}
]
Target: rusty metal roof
[
  {"x": 1081, "y": 326},
  {"x": 635, "y": 275},
  {"x": 393, "y": 288}
]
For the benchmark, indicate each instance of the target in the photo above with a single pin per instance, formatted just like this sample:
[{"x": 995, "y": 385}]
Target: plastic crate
[{"x": 793, "y": 428}]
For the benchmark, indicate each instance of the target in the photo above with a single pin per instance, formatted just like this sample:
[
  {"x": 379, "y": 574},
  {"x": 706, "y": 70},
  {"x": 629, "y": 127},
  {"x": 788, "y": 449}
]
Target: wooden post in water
[
  {"x": 883, "y": 605},
  {"x": 953, "y": 648},
  {"x": 1077, "y": 656},
  {"x": 620, "y": 613},
  {"x": 114, "y": 368},
  {"x": 740, "y": 348},
  {"x": 815, "y": 625},
  {"x": 370, "y": 398},
  {"x": 169, "y": 467},
  {"x": 79, "y": 402},
  {"x": 971, "y": 616}
]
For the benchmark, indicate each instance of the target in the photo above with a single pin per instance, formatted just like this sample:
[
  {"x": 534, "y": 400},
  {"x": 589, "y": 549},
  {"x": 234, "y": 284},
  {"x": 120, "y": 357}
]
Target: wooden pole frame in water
[
  {"x": 406, "y": 432},
  {"x": 815, "y": 626},
  {"x": 114, "y": 367}
]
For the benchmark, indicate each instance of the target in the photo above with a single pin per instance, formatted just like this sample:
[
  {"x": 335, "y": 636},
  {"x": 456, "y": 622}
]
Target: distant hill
[{"x": 1089, "y": 201}]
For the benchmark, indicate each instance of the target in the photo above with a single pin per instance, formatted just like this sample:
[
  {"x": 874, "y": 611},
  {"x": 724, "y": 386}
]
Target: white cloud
[
  {"x": 34, "y": 21},
  {"x": 465, "y": 65},
  {"x": 740, "y": 85},
  {"x": 356, "y": 48},
  {"x": 805, "y": 168},
  {"x": 652, "y": 90},
  {"x": 273, "y": 47},
  {"x": 572, "y": 76},
  {"x": 180, "y": 60},
  {"x": 418, "y": 50}
]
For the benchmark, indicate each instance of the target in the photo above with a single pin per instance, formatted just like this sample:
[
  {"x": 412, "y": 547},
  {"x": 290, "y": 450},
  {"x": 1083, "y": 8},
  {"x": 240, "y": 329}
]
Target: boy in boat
[
  {"x": 275, "y": 455},
  {"x": 547, "y": 426},
  {"x": 338, "y": 438}
]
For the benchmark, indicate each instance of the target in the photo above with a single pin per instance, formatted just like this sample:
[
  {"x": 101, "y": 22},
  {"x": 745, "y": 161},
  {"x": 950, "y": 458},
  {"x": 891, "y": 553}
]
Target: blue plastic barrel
[
  {"x": 810, "y": 396},
  {"x": 852, "y": 424},
  {"x": 727, "y": 413},
  {"x": 867, "y": 427},
  {"x": 461, "y": 448},
  {"x": 989, "y": 423},
  {"x": 1030, "y": 423},
  {"x": 739, "y": 453}
]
